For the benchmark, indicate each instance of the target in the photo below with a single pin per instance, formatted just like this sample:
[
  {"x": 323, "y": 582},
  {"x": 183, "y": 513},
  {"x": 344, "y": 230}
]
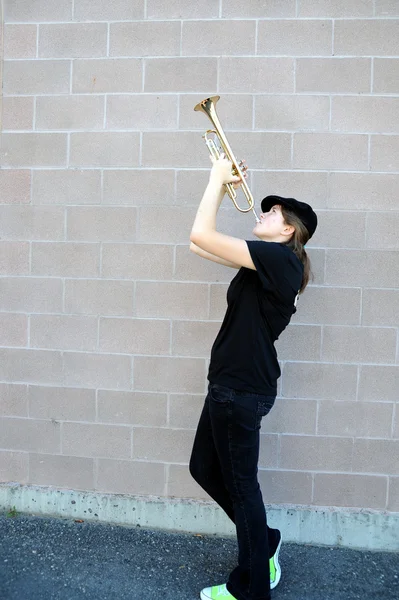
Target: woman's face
[{"x": 272, "y": 225}]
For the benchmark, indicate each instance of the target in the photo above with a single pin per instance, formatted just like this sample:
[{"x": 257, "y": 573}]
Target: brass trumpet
[{"x": 207, "y": 106}]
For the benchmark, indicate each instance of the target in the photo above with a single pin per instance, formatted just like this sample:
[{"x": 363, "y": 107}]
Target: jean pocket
[
  {"x": 219, "y": 393},
  {"x": 264, "y": 406}
]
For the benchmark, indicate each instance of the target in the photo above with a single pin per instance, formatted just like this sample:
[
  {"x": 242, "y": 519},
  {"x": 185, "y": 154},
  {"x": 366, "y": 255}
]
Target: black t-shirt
[{"x": 259, "y": 307}]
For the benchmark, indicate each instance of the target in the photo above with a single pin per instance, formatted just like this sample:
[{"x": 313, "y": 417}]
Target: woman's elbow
[{"x": 195, "y": 237}]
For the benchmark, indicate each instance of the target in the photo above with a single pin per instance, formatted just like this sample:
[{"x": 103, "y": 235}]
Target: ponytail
[{"x": 297, "y": 244}]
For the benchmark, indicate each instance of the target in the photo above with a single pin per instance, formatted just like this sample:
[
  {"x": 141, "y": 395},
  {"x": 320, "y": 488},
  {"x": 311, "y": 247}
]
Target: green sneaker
[
  {"x": 216, "y": 592},
  {"x": 275, "y": 569}
]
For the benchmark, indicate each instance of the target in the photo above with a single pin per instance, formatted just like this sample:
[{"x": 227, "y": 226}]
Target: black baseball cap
[{"x": 301, "y": 209}]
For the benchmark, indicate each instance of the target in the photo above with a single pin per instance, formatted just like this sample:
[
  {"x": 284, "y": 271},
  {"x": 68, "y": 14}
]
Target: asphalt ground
[{"x": 61, "y": 559}]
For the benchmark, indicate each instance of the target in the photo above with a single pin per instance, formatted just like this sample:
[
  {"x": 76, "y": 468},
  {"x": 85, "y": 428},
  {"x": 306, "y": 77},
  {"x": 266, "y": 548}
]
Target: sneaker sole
[
  {"x": 205, "y": 593},
  {"x": 278, "y": 568}
]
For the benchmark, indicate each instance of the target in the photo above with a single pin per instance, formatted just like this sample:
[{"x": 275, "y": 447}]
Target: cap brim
[{"x": 270, "y": 201}]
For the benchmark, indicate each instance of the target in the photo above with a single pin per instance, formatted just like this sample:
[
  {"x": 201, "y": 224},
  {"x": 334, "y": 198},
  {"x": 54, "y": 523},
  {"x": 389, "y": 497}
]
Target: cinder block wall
[{"x": 107, "y": 320}]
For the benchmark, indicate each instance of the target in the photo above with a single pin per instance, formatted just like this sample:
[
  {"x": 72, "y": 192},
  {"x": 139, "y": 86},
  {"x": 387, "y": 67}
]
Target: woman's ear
[{"x": 288, "y": 230}]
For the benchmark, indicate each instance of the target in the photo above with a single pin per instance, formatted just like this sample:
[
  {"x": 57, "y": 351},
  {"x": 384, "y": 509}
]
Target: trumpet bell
[{"x": 207, "y": 104}]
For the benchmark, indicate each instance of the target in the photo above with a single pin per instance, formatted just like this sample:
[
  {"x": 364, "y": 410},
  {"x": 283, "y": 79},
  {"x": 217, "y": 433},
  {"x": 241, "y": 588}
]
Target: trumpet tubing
[{"x": 207, "y": 106}]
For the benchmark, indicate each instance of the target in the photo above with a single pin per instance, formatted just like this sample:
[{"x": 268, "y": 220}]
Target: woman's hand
[{"x": 221, "y": 172}]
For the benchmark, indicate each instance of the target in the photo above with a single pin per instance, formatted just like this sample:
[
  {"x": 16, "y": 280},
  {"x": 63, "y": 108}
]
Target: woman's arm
[
  {"x": 212, "y": 257},
  {"x": 204, "y": 234}
]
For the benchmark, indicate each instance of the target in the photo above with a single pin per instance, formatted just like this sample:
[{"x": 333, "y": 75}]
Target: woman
[{"x": 243, "y": 370}]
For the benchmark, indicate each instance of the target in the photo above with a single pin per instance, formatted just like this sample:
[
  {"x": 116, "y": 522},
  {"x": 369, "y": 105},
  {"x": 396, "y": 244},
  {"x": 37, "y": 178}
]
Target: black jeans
[{"x": 224, "y": 461}]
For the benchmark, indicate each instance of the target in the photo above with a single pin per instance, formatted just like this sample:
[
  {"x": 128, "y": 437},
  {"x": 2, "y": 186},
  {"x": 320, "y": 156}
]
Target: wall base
[{"x": 304, "y": 525}]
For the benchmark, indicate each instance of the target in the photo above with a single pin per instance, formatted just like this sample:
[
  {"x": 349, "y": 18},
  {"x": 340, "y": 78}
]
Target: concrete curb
[{"x": 365, "y": 530}]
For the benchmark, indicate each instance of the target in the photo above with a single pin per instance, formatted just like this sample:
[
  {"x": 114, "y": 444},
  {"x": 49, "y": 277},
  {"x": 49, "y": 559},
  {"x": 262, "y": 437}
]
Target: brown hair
[{"x": 297, "y": 244}]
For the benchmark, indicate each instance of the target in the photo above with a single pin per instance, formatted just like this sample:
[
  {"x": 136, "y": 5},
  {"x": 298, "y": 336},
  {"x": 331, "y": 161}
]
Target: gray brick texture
[{"x": 107, "y": 319}]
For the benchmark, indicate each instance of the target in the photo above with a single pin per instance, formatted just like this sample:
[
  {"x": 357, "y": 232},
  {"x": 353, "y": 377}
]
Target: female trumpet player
[{"x": 243, "y": 370}]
